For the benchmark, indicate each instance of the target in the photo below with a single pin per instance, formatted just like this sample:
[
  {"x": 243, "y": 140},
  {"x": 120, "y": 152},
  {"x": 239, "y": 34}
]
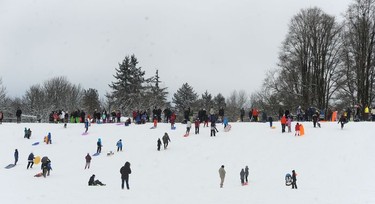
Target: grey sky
[{"x": 214, "y": 45}]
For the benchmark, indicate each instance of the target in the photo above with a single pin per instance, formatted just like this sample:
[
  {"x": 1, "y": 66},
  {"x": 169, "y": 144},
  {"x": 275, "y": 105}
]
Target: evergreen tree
[
  {"x": 207, "y": 101},
  {"x": 185, "y": 97},
  {"x": 156, "y": 96},
  {"x": 90, "y": 100},
  {"x": 129, "y": 88},
  {"x": 219, "y": 101}
]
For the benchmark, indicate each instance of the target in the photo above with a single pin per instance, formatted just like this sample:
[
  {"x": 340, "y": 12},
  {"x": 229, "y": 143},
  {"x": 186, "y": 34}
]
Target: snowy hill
[{"x": 333, "y": 165}]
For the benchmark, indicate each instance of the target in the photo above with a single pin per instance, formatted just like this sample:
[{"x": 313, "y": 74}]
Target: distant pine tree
[{"x": 185, "y": 97}]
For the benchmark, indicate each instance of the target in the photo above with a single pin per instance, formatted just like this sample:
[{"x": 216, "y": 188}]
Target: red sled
[{"x": 186, "y": 135}]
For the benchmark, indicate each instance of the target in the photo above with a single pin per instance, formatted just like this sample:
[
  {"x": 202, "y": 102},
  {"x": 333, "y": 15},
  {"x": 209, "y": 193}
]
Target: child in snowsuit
[
  {"x": 30, "y": 160},
  {"x": 159, "y": 144},
  {"x": 297, "y": 129},
  {"x": 15, "y": 157},
  {"x": 213, "y": 129},
  {"x": 342, "y": 120}
]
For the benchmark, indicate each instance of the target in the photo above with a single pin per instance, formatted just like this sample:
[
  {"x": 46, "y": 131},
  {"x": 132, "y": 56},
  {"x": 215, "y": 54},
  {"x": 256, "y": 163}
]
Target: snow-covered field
[{"x": 333, "y": 165}]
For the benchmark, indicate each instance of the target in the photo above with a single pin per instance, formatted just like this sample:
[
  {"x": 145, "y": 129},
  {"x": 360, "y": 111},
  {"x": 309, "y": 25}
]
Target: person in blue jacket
[
  {"x": 49, "y": 138},
  {"x": 99, "y": 145},
  {"x": 86, "y": 125},
  {"x": 225, "y": 121},
  {"x": 119, "y": 145}
]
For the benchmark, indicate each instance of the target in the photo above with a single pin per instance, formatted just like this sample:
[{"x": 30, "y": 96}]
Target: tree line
[{"x": 323, "y": 63}]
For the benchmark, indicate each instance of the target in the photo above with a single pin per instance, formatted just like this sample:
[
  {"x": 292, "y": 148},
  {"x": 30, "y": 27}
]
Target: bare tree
[{"x": 358, "y": 54}]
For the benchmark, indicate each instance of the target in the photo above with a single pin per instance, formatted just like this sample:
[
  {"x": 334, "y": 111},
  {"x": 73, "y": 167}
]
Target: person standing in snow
[
  {"x": 15, "y": 157},
  {"x": 159, "y": 144},
  {"x": 66, "y": 119},
  {"x": 294, "y": 180},
  {"x": 297, "y": 129},
  {"x": 166, "y": 140},
  {"x": 119, "y": 145},
  {"x": 30, "y": 160},
  {"x": 222, "y": 173},
  {"x": 88, "y": 161},
  {"x": 188, "y": 127},
  {"x": 125, "y": 171},
  {"x": 196, "y": 124},
  {"x": 49, "y": 141},
  {"x": 99, "y": 146},
  {"x": 246, "y": 174},
  {"x": 242, "y": 177},
  {"x": 86, "y": 125},
  {"x": 213, "y": 128},
  {"x": 283, "y": 123},
  {"x": 18, "y": 114},
  {"x": 342, "y": 120}
]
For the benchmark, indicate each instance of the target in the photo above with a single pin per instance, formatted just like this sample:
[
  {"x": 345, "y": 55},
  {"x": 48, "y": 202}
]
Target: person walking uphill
[
  {"x": 166, "y": 140},
  {"x": 222, "y": 175},
  {"x": 125, "y": 171},
  {"x": 242, "y": 177},
  {"x": 30, "y": 160}
]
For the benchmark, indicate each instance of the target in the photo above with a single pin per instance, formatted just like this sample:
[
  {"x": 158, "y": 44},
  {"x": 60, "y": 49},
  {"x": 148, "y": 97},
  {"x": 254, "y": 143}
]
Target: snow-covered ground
[{"x": 333, "y": 165}]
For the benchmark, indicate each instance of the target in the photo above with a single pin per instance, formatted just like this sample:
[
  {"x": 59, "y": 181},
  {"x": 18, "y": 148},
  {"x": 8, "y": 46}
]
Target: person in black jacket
[
  {"x": 159, "y": 144},
  {"x": 93, "y": 182},
  {"x": 30, "y": 160},
  {"x": 294, "y": 180},
  {"x": 18, "y": 114},
  {"x": 15, "y": 157},
  {"x": 125, "y": 171}
]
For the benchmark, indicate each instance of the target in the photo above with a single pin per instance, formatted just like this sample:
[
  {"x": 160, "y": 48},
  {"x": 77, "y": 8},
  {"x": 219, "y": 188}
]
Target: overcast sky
[{"x": 214, "y": 45}]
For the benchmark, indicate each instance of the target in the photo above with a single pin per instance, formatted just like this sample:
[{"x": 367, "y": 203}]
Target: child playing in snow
[{"x": 297, "y": 128}]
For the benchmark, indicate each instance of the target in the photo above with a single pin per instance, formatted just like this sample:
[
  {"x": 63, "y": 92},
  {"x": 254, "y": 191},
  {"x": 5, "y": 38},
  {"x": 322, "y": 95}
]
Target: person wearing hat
[
  {"x": 125, "y": 171},
  {"x": 222, "y": 175}
]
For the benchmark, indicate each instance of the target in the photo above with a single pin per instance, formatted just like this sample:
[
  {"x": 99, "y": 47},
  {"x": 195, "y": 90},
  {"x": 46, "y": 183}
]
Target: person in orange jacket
[{"x": 283, "y": 123}]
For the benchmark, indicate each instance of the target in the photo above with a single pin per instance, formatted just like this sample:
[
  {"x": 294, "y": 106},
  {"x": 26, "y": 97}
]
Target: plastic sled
[
  {"x": 186, "y": 135},
  {"x": 301, "y": 130},
  {"x": 96, "y": 154},
  {"x": 85, "y": 133},
  {"x": 173, "y": 128},
  {"x": 226, "y": 129},
  {"x": 35, "y": 143},
  {"x": 37, "y": 160},
  {"x": 288, "y": 180},
  {"x": 10, "y": 166}
]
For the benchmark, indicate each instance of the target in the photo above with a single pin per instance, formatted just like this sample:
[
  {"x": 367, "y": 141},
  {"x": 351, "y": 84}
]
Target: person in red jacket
[
  {"x": 283, "y": 123},
  {"x": 297, "y": 128},
  {"x": 196, "y": 125}
]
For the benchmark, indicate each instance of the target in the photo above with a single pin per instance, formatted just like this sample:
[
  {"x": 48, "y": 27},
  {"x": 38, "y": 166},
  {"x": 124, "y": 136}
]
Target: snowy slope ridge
[{"x": 333, "y": 165}]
